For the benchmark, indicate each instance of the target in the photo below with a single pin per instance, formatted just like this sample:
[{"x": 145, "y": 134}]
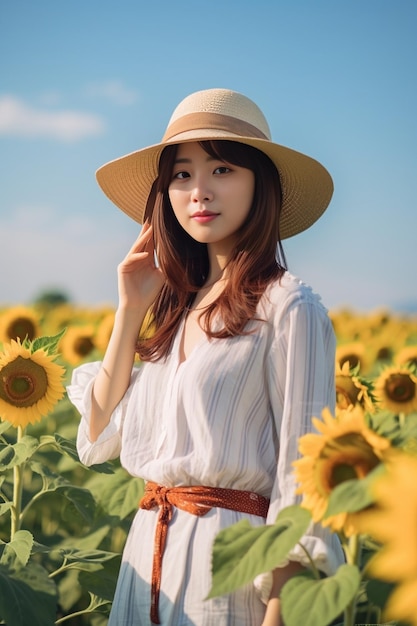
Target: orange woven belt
[{"x": 198, "y": 501}]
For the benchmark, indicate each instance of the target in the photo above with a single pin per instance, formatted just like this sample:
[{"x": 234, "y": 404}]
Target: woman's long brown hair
[{"x": 256, "y": 260}]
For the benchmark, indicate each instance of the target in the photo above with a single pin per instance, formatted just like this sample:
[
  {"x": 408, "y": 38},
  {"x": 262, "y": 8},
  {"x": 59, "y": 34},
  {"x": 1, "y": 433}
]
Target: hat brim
[{"x": 307, "y": 186}]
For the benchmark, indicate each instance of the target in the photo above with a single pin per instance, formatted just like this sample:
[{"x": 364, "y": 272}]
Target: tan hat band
[{"x": 212, "y": 121}]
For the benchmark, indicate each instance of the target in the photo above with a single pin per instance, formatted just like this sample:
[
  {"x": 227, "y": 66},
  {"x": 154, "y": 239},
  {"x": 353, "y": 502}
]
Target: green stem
[
  {"x": 60, "y": 569},
  {"x": 352, "y": 549},
  {"x": 17, "y": 492},
  {"x": 90, "y": 609},
  {"x": 312, "y": 564},
  {"x": 61, "y": 620},
  {"x": 31, "y": 502}
]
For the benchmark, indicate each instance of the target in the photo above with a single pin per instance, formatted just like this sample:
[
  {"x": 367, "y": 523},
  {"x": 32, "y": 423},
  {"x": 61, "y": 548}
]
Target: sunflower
[
  {"x": 407, "y": 356},
  {"x": 396, "y": 390},
  {"x": 104, "y": 331},
  {"x": 385, "y": 344},
  {"x": 393, "y": 522},
  {"x": 344, "y": 449},
  {"x": 352, "y": 353},
  {"x": 30, "y": 384},
  {"x": 19, "y": 322},
  {"x": 78, "y": 343},
  {"x": 352, "y": 389}
]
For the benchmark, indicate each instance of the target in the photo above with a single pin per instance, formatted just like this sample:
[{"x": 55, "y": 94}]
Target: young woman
[{"x": 237, "y": 356}]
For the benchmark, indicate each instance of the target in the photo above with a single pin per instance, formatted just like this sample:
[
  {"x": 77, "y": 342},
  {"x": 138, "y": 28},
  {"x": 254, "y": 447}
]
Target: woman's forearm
[{"x": 113, "y": 378}]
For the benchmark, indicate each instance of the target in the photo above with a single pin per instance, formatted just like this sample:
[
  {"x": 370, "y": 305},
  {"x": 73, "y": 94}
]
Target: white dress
[{"x": 229, "y": 416}]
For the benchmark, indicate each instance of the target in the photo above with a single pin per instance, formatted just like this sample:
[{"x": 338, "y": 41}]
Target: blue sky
[{"x": 86, "y": 81}]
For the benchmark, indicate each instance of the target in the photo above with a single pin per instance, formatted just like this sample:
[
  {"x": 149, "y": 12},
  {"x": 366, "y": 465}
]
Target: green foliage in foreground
[
  {"x": 60, "y": 561},
  {"x": 242, "y": 552}
]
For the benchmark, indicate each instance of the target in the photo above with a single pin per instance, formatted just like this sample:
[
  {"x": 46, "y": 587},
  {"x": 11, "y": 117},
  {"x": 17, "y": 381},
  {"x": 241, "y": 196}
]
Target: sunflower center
[
  {"x": 20, "y": 386},
  {"x": 344, "y": 458},
  {"x": 353, "y": 360},
  {"x": 384, "y": 353},
  {"x": 400, "y": 388},
  {"x": 83, "y": 346},
  {"x": 22, "y": 382},
  {"x": 343, "y": 472},
  {"x": 22, "y": 327}
]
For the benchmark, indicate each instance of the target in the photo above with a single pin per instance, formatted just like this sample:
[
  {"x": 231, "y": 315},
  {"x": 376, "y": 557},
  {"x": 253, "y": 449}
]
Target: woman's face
[{"x": 210, "y": 198}]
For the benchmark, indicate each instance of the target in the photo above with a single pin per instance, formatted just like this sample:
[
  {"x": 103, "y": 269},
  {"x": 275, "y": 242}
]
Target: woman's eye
[
  {"x": 181, "y": 175},
  {"x": 222, "y": 170}
]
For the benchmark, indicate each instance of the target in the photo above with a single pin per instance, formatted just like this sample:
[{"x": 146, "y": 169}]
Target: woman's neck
[
  {"x": 218, "y": 264},
  {"x": 213, "y": 278}
]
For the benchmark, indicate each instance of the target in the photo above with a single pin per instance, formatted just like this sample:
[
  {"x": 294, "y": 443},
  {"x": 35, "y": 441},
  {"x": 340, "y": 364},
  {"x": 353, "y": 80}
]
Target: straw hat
[{"x": 222, "y": 114}]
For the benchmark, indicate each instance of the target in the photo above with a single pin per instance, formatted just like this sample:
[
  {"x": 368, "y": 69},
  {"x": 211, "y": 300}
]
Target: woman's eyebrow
[{"x": 185, "y": 160}]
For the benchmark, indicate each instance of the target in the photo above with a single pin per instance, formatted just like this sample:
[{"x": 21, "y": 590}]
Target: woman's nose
[{"x": 201, "y": 192}]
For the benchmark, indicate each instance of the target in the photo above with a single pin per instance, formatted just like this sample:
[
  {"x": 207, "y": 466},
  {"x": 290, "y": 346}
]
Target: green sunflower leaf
[
  {"x": 385, "y": 424},
  {"x": 353, "y": 495},
  {"x": 102, "y": 583},
  {"x": 118, "y": 494},
  {"x": 17, "y": 453},
  {"x": 19, "y": 548},
  {"x": 7, "y": 454},
  {"x": 69, "y": 448},
  {"x": 27, "y": 596},
  {"x": 49, "y": 344},
  {"x": 87, "y": 556},
  {"x": 4, "y": 507},
  {"x": 4, "y": 426},
  {"x": 311, "y": 602},
  {"x": 51, "y": 480},
  {"x": 90, "y": 541},
  {"x": 243, "y": 551},
  {"x": 79, "y": 498}
]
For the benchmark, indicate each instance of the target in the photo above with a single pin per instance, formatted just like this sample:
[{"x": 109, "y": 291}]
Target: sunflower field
[{"x": 63, "y": 526}]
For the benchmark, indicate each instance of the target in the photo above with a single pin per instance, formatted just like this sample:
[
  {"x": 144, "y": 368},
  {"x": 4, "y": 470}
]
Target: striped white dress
[{"x": 229, "y": 416}]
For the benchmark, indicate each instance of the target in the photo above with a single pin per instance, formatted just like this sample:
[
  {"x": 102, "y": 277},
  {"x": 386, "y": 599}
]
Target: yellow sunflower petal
[
  {"x": 407, "y": 356},
  {"x": 402, "y": 604}
]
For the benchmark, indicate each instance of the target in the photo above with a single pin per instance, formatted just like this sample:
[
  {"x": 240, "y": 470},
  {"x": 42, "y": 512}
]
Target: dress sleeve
[
  {"x": 108, "y": 444},
  {"x": 301, "y": 383}
]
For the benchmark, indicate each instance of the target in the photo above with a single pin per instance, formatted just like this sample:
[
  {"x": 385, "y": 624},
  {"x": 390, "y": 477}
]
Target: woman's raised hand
[
  {"x": 139, "y": 279},
  {"x": 139, "y": 282}
]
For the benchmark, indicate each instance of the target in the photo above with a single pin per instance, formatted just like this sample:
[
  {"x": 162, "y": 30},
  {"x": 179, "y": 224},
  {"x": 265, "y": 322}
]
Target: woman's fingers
[
  {"x": 144, "y": 237},
  {"x": 143, "y": 248}
]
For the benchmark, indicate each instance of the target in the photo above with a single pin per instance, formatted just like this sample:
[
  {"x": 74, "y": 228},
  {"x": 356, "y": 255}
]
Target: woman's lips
[{"x": 203, "y": 217}]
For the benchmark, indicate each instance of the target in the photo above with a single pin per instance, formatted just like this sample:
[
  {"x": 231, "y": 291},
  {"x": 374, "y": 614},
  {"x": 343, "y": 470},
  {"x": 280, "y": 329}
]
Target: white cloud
[
  {"x": 113, "y": 90},
  {"x": 20, "y": 119}
]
